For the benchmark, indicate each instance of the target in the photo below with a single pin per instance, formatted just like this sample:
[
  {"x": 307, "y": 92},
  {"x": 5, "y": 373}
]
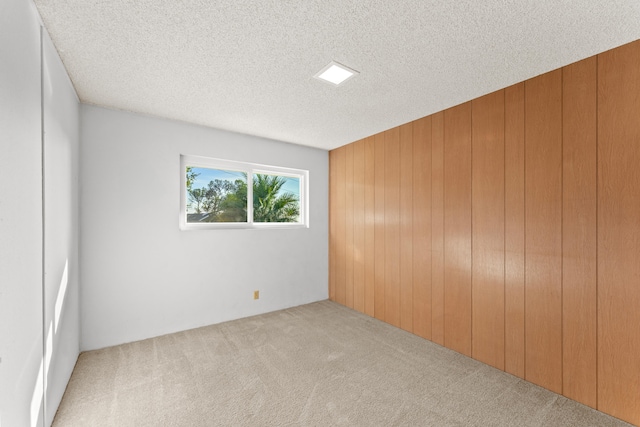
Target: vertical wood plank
[
  {"x": 358, "y": 226},
  {"x": 392, "y": 226},
  {"x": 560, "y": 219},
  {"x": 369, "y": 219},
  {"x": 457, "y": 228},
  {"x": 543, "y": 230},
  {"x": 379, "y": 227},
  {"x": 349, "y": 225},
  {"x": 488, "y": 229},
  {"x": 619, "y": 232},
  {"x": 514, "y": 229},
  {"x": 422, "y": 227},
  {"x": 341, "y": 251},
  {"x": 333, "y": 182},
  {"x": 406, "y": 227},
  {"x": 437, "y": 228},
  {"x": 579, "y": 231}
]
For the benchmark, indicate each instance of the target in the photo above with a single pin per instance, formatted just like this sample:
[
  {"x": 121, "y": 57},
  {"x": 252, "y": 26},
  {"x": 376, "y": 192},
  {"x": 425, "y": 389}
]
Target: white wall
[
  {"x": 143, "y": 277},
  {"x": 61, "y": 151},
  {"x": 21, "y": 366},
  {"x": 26, "y": 371}
]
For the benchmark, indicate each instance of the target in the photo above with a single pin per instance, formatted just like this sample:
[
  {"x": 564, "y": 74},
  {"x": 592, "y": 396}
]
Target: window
[{"x": 226, "y": 194}]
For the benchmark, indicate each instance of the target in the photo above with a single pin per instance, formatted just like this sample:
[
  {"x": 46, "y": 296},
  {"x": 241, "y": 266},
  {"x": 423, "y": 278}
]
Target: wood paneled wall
[
  {"x": 508, "y": 229},
  {"x": 618, "y": 232}
]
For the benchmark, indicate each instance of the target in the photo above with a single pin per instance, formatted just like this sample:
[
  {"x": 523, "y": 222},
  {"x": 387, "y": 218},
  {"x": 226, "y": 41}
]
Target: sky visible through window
[
  {"x": 206, "y": 175},
  {"x": 216, "y": 195}
]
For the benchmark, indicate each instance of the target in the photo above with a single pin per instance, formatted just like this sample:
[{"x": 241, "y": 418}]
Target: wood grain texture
[
  {"x": 579, "y": 206},
  {"x": 358, "y": 226},
  {"x": 406, "y": 227},
  {"x": 437, "y": 228},
  {"x": 348, "y": 159},
  {"x": 369, "y": 227},
  {"x": 341, "y": 252},
  {"x": 488, "y": 229},
  {"x": 543, "y": 228},
  {"x": 568, "y": 184},
  {"x": 514, "y": 229},
  {"x": 379, "y": 226},
  {"x": 422, "y": 227},
  {"x": 619, "y": 232},
  {"x": 457, "y": 228},
  {"x": 392, "y": 227},
  {"x": 333, "y": 182}
]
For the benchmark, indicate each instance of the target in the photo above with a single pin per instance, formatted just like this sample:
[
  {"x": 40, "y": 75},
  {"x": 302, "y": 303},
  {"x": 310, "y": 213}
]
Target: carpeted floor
[{"x": 316, "y": 365}]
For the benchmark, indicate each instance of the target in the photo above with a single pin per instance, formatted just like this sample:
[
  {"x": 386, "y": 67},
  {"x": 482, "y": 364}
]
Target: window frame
[{"x": 250, "y": 169}]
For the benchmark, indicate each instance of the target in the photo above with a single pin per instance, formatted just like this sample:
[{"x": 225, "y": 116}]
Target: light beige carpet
[{"x": 316, "y": 365}]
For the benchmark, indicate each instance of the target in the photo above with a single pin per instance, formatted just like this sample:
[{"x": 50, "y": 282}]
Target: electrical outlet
[{"x": 256, "y": 294}]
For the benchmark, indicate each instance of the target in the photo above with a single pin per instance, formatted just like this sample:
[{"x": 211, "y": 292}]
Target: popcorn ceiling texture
[{"x": 248, "y": 66}]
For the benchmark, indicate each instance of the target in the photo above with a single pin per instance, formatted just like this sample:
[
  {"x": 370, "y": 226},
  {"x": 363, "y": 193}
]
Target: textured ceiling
[{"x": 248, "y": 66}]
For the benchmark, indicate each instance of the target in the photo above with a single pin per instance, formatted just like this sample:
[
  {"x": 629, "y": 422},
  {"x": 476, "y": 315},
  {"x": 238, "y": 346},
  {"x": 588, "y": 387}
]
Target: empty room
[{"x": 317, "y": 213}]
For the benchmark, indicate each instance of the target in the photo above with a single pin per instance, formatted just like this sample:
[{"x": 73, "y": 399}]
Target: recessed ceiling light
[{"x": 335, "y": 73}]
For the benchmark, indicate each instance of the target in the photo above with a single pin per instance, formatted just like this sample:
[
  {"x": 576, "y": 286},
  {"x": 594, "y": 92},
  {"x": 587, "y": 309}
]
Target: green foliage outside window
[{"x": 225, "y": 200}]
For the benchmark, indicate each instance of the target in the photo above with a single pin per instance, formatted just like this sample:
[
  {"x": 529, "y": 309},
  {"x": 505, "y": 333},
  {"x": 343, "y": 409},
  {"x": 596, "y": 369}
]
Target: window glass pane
[
  {"x": 216, "y": 195},
  {"x": 276, "y": 198}
]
